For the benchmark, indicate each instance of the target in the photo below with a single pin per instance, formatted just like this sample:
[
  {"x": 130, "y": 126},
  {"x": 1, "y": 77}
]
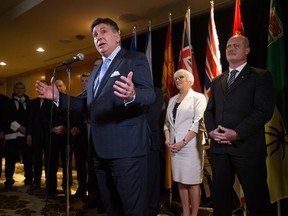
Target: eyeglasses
[{"x": 179, "y": 77}]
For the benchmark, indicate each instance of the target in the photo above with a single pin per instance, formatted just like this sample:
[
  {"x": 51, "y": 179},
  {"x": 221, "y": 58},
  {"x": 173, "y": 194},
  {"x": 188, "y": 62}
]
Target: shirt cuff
[
  {"x": 126, "y": 103},
  {"x": 57, "y": 102},
  {"x": 15, "y": 126}
]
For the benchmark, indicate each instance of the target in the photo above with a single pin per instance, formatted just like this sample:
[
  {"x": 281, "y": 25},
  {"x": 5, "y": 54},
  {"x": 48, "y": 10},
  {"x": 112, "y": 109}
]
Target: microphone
[{"x": 78, "y": 57}]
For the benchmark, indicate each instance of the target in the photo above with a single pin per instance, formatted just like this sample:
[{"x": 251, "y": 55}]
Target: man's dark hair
[
  {"x": 85, "y": 75},
  {"x": 18, "y": 84},
  {"x": 107, "y": 21}
]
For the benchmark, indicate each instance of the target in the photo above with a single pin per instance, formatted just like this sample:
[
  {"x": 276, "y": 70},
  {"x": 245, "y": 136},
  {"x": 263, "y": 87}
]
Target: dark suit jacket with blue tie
[
  {"x": 246, "y": 107},
  {"x": 116, "y": 130}
]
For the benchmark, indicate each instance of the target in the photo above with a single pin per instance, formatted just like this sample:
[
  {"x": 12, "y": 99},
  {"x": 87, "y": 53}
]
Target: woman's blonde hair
[{"x": 189, "y": 76}]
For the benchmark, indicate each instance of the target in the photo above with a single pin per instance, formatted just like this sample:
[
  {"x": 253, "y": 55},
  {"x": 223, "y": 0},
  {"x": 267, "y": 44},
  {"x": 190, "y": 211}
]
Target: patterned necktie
[
  {"x": 100, "y": 75},
  {"x": 20, "y": 105},
  {"x": 231, "y": 78}
]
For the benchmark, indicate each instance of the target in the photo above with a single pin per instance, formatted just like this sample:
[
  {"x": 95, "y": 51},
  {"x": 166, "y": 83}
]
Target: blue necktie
[
  {"x": 231, "y": 78},
  {"x": 100, "y": 75}
]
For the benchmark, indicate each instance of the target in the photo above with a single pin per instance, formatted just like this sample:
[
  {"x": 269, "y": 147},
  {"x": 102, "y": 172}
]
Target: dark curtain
[{"x": 255, "y": 17}]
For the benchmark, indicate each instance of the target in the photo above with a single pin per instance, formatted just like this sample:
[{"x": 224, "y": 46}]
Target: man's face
[
  {"x": 60, "y": 86},
  {"x": 236, "y": 51},
  {"x": 105, "y": 39},
  {"x": 84, "y": 82},
  {"x": 19, "y": 90},
  {"x": 97, "y": 62}
]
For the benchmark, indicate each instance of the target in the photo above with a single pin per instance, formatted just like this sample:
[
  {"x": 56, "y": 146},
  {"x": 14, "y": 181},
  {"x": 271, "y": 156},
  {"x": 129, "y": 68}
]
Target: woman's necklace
[{"x": 181, "y": 97}]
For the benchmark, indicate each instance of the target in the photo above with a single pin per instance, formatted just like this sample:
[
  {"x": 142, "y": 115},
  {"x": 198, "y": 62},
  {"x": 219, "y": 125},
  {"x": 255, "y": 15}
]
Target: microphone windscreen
[{"x": 81, "y": 56}]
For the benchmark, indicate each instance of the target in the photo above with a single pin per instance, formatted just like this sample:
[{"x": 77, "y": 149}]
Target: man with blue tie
[
  {"x": 117, "y": 124},
  {"x": 240, "y": 104}
]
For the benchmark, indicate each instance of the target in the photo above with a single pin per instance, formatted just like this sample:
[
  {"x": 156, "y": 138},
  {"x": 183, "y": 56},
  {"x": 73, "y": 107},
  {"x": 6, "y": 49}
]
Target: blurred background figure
[
  {"x": 38, "y": 135},
  {"x": 154, "y": 153},
  {"x": 16, "y": 147},
  {"x": 57, "y": 146},
  {"x": 79, "y": 141},
  {"x": 4, "y": 101}
]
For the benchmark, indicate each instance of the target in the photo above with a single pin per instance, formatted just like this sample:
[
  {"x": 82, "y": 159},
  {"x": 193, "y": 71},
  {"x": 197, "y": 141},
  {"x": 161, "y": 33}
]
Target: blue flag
[{"x": 133, "y": 45}]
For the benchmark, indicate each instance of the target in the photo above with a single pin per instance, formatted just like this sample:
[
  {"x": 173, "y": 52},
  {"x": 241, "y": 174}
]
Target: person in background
[
  {"x": 79, "y": 140},
  {"x": 37, "y": 136},
  {"x": 240, "y": 104},
  {"x": 98, "y": 61},
  {"x": 154, "y": 153},
  {"x": 184, "y": 137},
  {"x": 57, "y": 146},
  {"x": 117, "y": 94},
  {"x": 16, "y": 146},
  {"x": 4, "y": 101}
]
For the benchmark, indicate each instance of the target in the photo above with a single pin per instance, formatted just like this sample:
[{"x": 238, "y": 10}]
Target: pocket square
[{"x": 115, "y": 73}]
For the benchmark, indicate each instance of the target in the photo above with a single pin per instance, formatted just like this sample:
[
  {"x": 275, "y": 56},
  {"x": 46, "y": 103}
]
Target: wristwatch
[{"x": 185, "y": 142}]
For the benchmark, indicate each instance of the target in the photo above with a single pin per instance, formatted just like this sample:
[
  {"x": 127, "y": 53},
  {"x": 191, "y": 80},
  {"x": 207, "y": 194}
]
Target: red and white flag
[
  {"x": 238, "y": 29},
  {"x": 212, "y": 63},
  {"x": 186, "y": 57}
]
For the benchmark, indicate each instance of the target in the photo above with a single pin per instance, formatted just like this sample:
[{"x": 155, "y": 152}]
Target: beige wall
[
  {"x": 3, "y": 86},
  {"x": 29, "y": 78}
]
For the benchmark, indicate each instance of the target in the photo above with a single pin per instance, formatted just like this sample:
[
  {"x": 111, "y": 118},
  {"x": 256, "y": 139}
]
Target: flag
[
  {"x": 238, "y": 28},
  {"x": 212, "y": 69},
  {"x": 168, "y": 91},
  {"x": 186, "y": 57},
  {"x": 148, "y": 47},
  {"x": 168, "y": 65},
  {"x": 276, "y": 133},
  {"x": 133, "y": 45},
  {"x": 212, "y": 63}
]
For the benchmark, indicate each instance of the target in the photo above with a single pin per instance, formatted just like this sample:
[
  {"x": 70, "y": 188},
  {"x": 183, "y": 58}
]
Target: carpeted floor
[{"x": 22, "y": 202}]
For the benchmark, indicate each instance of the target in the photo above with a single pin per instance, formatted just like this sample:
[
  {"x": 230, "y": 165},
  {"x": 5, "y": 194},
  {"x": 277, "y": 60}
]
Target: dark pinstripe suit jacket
[{"x": 118, "y": 131}]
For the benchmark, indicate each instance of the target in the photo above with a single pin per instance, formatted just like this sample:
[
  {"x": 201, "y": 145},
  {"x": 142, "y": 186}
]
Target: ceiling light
[
  {"x": 2, "y": 63},
  {"x": 40, "y": 49},
  {"x": 80, "y": 37}
]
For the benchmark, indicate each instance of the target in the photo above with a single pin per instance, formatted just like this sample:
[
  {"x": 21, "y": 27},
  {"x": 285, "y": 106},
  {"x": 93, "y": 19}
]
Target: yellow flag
[{"x": 277, "y": 159}]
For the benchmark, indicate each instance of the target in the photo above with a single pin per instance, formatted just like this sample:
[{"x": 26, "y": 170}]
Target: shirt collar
[
  {"x": 19, "y": 99},
  {"x": 239, "y": 68},
  {"x": 113, "y": 54}
]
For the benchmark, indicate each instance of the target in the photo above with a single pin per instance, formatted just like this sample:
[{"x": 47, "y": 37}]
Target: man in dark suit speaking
[
  {"x": 241, "y": 103},
  {"x": 117, "y": 93}
]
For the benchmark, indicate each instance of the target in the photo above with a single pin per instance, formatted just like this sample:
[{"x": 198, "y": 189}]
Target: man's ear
[{"x": 247, "y": 50}]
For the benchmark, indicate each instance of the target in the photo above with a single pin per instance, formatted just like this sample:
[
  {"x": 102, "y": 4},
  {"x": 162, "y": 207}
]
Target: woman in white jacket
[{"x": 184, "y": 138}]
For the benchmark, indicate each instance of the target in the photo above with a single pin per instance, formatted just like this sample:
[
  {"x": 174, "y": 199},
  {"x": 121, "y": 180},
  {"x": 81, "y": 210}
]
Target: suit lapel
[
  {"x": 243, "y": 75},
  {"x": 185, "y": 102},
  {"x": 90, "y": 85},
  {"x": 224, "y": 81}
]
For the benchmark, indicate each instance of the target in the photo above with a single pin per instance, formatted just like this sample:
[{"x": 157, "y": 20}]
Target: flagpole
[
  {"x": 167, "y": 88},
  {"x": 134, "y": 33},
  {"x": 170, "y": 189},
  {"x": 148, "y": 47},
  {"x": 133, "y": 45}
]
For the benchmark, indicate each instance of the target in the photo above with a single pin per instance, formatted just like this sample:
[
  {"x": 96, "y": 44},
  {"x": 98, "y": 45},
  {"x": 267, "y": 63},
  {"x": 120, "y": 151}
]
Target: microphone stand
[{"x": 68, "y": 147}]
